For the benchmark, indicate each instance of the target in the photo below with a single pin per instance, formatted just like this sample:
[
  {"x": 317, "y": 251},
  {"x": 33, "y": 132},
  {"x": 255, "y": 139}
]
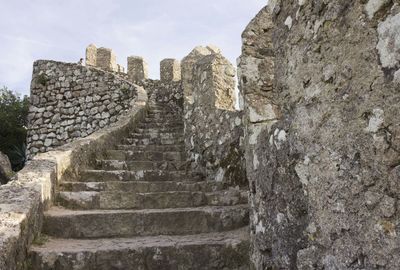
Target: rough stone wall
[
  {"x": 213, "y": 129},
  {"x": 69, "y": 101},
  {"x": 321, "y": 92},
  {"x": 170, "y": 93}
]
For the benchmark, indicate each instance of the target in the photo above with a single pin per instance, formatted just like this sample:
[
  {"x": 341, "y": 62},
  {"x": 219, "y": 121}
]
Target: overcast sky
[{"x": 155, "y": 29}]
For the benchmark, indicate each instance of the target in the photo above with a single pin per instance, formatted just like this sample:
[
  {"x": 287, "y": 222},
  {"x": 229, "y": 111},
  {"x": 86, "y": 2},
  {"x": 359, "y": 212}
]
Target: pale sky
[{"x": 155, "y": 29}]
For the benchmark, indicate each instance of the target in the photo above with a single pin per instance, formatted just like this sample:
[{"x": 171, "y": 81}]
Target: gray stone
[
  {"x": 170, "y": 70},
  {"x": 389, "y": 41},
  {"x": 137, "y": 69},
  {"x": 322, "y": 172},
  {"x": 106, "y": 59},
  {"x": 374, "y": 6},
  {"x": 5, "y": 169}
]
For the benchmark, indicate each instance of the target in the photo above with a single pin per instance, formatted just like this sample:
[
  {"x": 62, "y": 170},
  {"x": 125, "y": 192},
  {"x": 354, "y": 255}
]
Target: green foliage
[{"x": 13, "y": 121}]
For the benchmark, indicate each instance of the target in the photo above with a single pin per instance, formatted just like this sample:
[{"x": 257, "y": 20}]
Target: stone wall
[
  {"x": 321, "y": 92},
  {"x": 24, "y": 199},
  {"x": 213, "y": 129},
  {"x": 170, "y": 93},
  {"x": 70, "y": 101}
]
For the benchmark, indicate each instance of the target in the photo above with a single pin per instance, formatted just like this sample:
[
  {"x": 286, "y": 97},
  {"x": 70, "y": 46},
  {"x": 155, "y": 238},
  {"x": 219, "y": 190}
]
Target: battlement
[{"x": 137, "y": 67}]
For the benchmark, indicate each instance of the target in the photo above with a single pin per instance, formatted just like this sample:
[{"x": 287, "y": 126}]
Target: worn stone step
[
  {"x": 133, "y": 165},
  {"x": 63, "y": 223},
  {"x": 145, "y": 125},
  {"x": 157, "y": 135},
  {"x": 152, "y": 141},
  {"x": 160, "y": 130},
  {"x": 142, "y": 186},
  {"x": 140, "y": 175},
  {"x": 211, "y": 251},
  {"x": 156, "y": 148},
  {"x": 169, "y": 120},
  {"x": 163, "y": 115},
  {"x": 88, "y": 200},
  {"x": 145, "y": 155},
  {"x": 159, "y": 117}
]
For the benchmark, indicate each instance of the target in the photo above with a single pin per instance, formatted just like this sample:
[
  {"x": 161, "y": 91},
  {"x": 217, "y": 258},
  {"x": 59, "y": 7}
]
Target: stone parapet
[
  {"x": 106, "y": 59},
  {"x": 213, "y": 131},
  {"x": 170, "y": 70},
  {"x": 69, "y": 101},
  {"x": 137, "y": 69}
]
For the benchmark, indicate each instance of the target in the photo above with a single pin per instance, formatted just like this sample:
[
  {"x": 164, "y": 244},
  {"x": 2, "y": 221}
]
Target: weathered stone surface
[
  {"x": 187, "y": 65},
  {"x": 213, "y": 251},
  {"x": 137, "y": 69},
  {"x": 322, "y": 145},
  {"x": 389, "y": 41},
  {"x": 73, "y": 101},
  {"x": 170, "y": 70},
  {"x": 5, "y": 169},
  {"x": 91, "y": 55},
  {"x": 213, "y": 128},
  {"x": 106, "y": 59}
]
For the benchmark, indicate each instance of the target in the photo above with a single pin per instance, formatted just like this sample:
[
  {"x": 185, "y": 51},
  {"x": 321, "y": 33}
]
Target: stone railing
[
  {"x": 24, "y": 199},
  {"x": 70, "y": 101}
]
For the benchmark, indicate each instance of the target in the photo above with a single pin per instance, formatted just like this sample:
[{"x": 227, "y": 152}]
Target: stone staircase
[{"x": 140, "y": 209}]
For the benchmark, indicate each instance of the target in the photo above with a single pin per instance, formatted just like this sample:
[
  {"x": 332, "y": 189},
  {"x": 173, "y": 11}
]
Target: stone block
[
  {"x": 137, "y": 69},
  {"x": 170, "y": 70},
  {"x": 91, "y": 55},
  {"x": 187, "y": 65},
  {"x": 106, "y": 59}
]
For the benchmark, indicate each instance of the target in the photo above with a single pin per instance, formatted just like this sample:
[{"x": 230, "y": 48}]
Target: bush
[{"x": 13, "y": 121}]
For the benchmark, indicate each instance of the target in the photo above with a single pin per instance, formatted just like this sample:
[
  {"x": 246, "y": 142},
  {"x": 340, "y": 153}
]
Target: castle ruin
[{"x": 127, "y": 172}]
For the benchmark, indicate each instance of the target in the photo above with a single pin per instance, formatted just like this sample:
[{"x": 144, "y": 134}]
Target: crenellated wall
[{"x": 70, "y": 101}]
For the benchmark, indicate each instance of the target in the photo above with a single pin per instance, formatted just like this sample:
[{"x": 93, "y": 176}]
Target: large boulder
[{"x": 5, "y": 169}]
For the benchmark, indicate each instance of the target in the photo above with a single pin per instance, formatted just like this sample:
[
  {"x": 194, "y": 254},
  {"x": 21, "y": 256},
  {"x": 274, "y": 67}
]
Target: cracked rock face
[{"x": 321, "y": 97}]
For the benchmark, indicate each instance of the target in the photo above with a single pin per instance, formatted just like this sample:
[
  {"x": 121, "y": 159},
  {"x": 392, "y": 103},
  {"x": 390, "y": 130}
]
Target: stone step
[
  {"x": 157, "y": 135},
  {"x": 134, "y": 165},
  {"x": 142, "y": 186},
  {"x": 159, "y": 117},
  {"x": 63, "y": 223},
  {"x": 160, "y": 130},
  {"x": 162, "y": 114},
  {"x": 152, "y": 141},
  {"x": 141, "y": 175},
  {"x": 145, "y": 155},
  {"x": 154, "y": 148},
  {"x": 170, "y": 120},
  {"x": 145, "y": 125},
  {"x": 211, "y": 251},
  {"x": 89, "y": 200}
]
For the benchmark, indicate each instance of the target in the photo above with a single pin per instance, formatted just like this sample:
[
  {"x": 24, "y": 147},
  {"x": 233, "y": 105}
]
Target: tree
[{"x": 13, "y": 121}]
